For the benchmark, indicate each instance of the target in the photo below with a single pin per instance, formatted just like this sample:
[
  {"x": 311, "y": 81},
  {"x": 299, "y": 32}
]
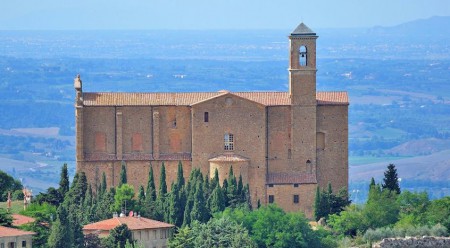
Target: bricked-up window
[
  {"x": 100, "y": 142},
  {"x": 228, "y": 142},
  {"x": 289, "y": 153},
  {"x": 271, "y": 198},
  {"x": 302, "y": 56},
  {"x": 296, "y": 198},
  {"x": 136, "y": 142},
  {"x": 295, "y": 185},
  {"x": 206, "y": 117},
  {"x": 270, "y": 185}
]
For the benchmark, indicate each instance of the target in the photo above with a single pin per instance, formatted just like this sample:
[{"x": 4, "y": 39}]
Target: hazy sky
[{"x": 213, "y": 14}]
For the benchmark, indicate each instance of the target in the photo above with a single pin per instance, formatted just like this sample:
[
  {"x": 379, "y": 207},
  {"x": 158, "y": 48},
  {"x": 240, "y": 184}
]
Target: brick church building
[{"x": 284, "y": 144}]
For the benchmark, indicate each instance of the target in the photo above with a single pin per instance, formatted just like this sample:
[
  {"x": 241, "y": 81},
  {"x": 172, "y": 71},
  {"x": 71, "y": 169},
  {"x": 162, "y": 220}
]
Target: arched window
[
  {"x": 302, "y": 56},
  {"x": 228, "y": 142}
]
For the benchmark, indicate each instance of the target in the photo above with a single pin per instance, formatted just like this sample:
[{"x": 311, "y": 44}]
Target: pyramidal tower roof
[{"x": 302, "y": 29}]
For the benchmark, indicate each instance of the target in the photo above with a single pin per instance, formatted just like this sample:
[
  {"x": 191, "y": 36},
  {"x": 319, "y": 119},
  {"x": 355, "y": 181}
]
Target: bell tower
[
  {"x": 302, "y": 66},
  {"x": 302, "y": 92}
]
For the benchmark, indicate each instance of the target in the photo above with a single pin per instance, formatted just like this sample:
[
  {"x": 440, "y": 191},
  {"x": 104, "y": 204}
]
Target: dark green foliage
[
  {"x": 327, "y": 203},
  {"x": 61, "y": 233},
  {"x": 270, "y": 226},
  {"x": 64, "y": 181},
  {"x": 162, "y": 182},
  {"x": 105, "y": 206},
  {"x": 151, "y": 188},
  {"x": 216, "y": 201},
  {"x": 103, "y": 185},
  {"x": 91, "y": 241},
  {"x": 199, "y": 211},
  {"x": 5, "y": 218},
  {"x": 390, "y": 180},
  {"x": 123, "y": 174},
  {"x": 221, "y": 232},
  {"x": 52, "y": 196},
  {"x": 8, "y": 183},
  {"x": 180, "y": 177},
  {"x": 124, "y": 198},
  {"x": 120, "y": 235},
  {"x": 439, "y": 212}
]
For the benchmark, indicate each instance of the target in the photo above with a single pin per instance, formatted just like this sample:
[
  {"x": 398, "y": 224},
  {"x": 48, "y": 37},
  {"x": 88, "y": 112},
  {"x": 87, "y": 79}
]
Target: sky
[{"x": 212, "y": 14}]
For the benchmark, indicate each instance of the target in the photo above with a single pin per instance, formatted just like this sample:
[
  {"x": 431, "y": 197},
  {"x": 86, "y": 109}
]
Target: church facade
[{"x": 284, "y": 144}]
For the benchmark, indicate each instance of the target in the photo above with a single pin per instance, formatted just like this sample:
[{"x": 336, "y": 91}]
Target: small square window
[
  {"x": 296, "y": 199},
  {"x": 206, "y": 117},
  {"x": 270, "y": 185},
  {"x": 271, "y": 198},
  {"x": 295, "y": 185}
]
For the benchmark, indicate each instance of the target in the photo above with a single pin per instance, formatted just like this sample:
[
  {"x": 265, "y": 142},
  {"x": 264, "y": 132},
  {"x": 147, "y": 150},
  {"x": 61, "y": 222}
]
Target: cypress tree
[
  {"x": 151, "y": 188},
  {"x": 123, "y": 174},
  {"x": 225, "y": 190},
  {"x": 64, "y": 181},
  {"x": 317, "y": 207},
  {"x": 103, "y": 185},
  {"x": 390, "y": 180},
  {"x": 199, "y": 211},
  {"x": 180, "y": 177},
  {"x": 60, "y": 235},
  {"x": 162, "y": 181},
  {"x": 215, "y": 180},
  {"x": 87, "y": 205},
  {"x": 216, "y": 202},
  {"x": 240, "y": 188}
]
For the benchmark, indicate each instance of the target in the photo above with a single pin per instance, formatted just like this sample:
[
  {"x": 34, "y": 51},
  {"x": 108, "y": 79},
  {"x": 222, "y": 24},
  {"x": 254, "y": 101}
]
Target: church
[{"x": 283, "y": 144}]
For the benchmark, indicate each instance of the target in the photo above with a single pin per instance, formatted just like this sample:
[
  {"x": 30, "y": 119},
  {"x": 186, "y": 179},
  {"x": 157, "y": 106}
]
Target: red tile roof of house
[
  {"x": 291, "y": 178},
  {"x": 133, "y": 223},
  {"x": 12, "y": 232},
  {"x": 19, "y": 219},
  {"x": 187, "y": 99}
]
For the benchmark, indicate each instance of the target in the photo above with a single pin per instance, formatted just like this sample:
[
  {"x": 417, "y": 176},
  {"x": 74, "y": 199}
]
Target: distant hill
[
  {"x": 434, "y": 167},
  {"x": 435, "y": 26}
]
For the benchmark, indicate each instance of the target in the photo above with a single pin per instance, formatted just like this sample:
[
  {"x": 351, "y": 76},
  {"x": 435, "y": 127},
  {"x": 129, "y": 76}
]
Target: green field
[{"x": 16, "y": 206}]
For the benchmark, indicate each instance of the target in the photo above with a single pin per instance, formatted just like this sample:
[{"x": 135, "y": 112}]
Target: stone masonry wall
[{"x": 332, "y": 160}]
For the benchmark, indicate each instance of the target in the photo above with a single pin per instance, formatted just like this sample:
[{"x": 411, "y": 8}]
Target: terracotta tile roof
[
  {"x": 12, "y": 232},
  {"x": 332, "y": 98},
  {"x": 19, "y": 219},
  {"x": 187, "y": 99},
  {"x": 291, "y": 178},
  {"x": 133, "y": 223},
  {"x": 228, "y": 158}
]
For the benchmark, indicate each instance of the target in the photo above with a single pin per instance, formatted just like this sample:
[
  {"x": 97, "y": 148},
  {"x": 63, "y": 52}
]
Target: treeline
[{"x": 80, "y": 204}]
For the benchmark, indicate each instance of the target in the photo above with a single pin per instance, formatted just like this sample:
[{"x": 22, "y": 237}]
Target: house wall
[
  {"x": 17, "y": 240},
  {"x": 284, "y": 196}
]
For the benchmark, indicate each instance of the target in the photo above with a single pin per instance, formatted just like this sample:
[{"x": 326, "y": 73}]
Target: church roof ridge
[{"x": 267, "y": 98}]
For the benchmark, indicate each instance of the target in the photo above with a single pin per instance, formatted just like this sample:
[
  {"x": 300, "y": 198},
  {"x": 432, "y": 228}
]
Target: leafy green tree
[
  {"x": 91, "y": 240},
  {"x": 8, "y": 183},
  {"x": 390, "y": 180},
  {"x": 61, "y": 234},
  {"x": 120, "y": 235},
  {"x": 64, "y": 181},
  {"x": 52, "y": 196},
  {"x": 381, "y": 208},
  {"x": 413, "y": 207},
  {"x": 183, "y": 239},
  {"x": 42, "y": 232},
  {"x": 439, "y": 212},
  {"x": 270, "y": 226},
  {"x": 348, "y": 222},
  {"x": 5, "y": 218},
  {"x": 123, "y": 174},
  {"x": 124, "y": 198}
]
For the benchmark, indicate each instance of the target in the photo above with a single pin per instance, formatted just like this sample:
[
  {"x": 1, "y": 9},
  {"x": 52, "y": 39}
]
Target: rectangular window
[
  {"x": 295, "y": 185},
  {"x": 206, "y": 117},
  {"x": 296, "y": 198},
  {"x": 270, "y": 185},
  {"x": 2, "y": 245},
  {"x": 228, "y": 142},
  {"x": 271, "y": 198},
  {"x": 24, "y": 243}
]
